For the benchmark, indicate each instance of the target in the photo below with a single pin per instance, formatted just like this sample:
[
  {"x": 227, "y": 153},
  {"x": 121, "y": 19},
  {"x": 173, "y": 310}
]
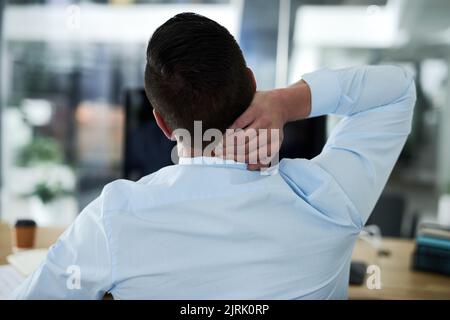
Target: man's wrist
[{"x": 295, "y": 101}]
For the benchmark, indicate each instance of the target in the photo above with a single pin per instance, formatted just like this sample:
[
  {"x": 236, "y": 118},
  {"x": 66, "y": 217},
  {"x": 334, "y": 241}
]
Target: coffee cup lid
[{"x": 25, "y": 223}]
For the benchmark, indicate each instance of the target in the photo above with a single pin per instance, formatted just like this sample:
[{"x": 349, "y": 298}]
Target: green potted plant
[
  {"x": 40, "y": 150},
  {"x": 49, "y": 184},
  {"x": 48, "y": 201},
  {"x": 47, "y": 193}
]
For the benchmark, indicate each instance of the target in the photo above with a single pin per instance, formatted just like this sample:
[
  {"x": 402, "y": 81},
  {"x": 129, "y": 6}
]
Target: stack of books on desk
[{"x": 432, "y": 249}]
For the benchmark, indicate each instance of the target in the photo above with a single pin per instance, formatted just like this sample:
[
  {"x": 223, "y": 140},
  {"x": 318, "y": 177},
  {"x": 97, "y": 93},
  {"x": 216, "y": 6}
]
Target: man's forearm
[
  {"x": 296, "y": 101},
  {"x": 358, "y": 89}
]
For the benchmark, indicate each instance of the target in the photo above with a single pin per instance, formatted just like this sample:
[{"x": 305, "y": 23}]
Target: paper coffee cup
[{"x": 25, "y": 233}]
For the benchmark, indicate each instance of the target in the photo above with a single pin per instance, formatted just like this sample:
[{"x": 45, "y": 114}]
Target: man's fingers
[
  {"x": 234, "y": 138},
  {"x": 245, "y": 119},
  {"x": 246, "y": 141},
  {"x": 242, "y": 137}
]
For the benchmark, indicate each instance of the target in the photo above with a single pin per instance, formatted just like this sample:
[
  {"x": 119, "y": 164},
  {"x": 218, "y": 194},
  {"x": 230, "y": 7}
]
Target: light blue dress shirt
[{"x": 198, "y": 230}]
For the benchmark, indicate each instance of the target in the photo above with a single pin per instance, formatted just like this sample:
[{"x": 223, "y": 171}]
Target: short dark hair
[{"x": 196, "y": 71}]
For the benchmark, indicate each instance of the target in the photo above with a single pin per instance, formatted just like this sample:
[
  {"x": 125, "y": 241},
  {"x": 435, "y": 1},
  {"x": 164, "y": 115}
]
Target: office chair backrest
[{"x": 388, "y": 214}]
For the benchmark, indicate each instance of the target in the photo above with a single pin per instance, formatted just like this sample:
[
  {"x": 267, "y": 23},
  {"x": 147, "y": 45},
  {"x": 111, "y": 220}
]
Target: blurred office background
[{"x": 66, "y": 66}]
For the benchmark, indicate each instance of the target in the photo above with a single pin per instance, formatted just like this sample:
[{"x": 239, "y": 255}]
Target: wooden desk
[
  {"x": 45, "y": 237},
  {"x": 398, "y": 280}
]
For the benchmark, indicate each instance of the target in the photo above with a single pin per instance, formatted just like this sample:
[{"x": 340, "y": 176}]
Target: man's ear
[
  {"x": 252, "y": 78},
  {"x": 162, "y": 124}
]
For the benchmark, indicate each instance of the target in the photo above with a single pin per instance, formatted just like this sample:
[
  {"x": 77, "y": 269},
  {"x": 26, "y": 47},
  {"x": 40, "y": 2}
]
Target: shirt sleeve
[
  {"x": 351, "y": 171},
  {"x": 78, "y": 266}
]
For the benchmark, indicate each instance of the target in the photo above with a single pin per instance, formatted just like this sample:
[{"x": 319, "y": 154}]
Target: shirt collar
[{"x": 212, "y": 161}]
